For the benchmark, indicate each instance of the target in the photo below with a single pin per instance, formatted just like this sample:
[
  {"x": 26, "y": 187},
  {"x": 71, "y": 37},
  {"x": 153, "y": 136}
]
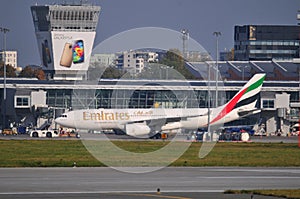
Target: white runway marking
[
  {"x": 112, "y": 192},
  {"x": 249, "y": 177}
]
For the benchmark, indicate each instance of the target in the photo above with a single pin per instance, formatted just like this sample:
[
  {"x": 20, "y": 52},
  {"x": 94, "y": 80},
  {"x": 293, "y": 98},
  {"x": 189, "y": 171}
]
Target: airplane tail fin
[
  {"x": 245, "y": 99},
  {"x": 251, "y": 88}
]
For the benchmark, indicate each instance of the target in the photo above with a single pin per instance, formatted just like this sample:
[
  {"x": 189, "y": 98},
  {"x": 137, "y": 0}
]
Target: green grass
[
  {"x": 44, "y": 153},
  {"x": 244, "y": 154},
  {"x": 62, "y": 153},
  {"x": 283, "y": 193}
]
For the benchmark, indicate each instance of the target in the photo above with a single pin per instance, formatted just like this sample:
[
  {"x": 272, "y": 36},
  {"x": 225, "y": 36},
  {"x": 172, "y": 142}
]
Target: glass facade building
[
  {"x": 29, "y": 99},
  {"x": 266, "y": 42},
  {"x": 125, "y": 98}
]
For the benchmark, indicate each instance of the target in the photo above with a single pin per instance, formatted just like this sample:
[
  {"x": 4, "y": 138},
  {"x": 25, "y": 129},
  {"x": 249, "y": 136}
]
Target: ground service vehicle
[
  {"x": 9, "y": 132},
  {"x": 44, "y": 133}
]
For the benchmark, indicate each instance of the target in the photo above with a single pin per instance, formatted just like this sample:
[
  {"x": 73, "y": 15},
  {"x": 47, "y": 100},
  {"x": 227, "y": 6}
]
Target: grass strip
[
  {"x": 63, "y": 153},
  {"x": 45, "y": 153},
  {"x": 283, "y": 193}
]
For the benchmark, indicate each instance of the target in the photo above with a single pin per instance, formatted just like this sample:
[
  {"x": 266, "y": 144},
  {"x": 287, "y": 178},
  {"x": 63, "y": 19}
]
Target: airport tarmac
[
  {"x": 173, "y": 182},
  {"x": 138, "y": 196}
]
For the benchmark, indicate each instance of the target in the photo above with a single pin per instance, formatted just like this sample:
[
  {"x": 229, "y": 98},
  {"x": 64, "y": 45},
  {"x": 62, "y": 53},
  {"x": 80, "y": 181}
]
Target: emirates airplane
[{"x": 151, "y": 122}]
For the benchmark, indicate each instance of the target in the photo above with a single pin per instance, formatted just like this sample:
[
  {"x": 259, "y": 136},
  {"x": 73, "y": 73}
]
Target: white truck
[{"x": 44, "y": 133}]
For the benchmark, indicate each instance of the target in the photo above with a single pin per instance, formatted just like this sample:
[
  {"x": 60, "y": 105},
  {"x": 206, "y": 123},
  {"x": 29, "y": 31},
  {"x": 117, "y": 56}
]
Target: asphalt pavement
[{"x": 173, "y": 182}]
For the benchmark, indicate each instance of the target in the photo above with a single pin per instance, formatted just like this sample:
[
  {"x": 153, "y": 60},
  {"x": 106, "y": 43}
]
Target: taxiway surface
[{"x": 208, "y": 182}]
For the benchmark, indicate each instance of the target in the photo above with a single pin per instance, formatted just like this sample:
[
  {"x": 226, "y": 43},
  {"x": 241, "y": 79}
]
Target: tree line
[{"x": 27, "y": 72}]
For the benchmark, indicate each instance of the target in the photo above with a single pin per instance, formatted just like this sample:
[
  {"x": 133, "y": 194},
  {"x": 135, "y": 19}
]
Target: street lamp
[
  {"x": 217, "y": 34},
  {"x": 4, "y": 30},
  {"x": 185, "y": 38},
  {"x": 244, "y": 72}
]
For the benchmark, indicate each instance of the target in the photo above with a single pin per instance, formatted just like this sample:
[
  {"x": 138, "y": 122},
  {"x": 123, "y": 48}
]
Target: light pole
[
  {"x": 243, "y": 74},
  {"x": 243, "y": 77},
  {"x": 4, "y": 30},
  {"x": 217, "y": 34},
  {"x": 185, "y": 38}
]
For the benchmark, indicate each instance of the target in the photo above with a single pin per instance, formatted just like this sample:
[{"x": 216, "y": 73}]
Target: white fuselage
[{"x": 167, "y": 119}]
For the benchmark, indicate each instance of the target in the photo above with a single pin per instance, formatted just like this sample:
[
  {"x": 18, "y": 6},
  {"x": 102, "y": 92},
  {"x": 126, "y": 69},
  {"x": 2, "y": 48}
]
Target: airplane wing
[
  {"x": 156, "y": 123},
  {"x": 170, "y": 118}
]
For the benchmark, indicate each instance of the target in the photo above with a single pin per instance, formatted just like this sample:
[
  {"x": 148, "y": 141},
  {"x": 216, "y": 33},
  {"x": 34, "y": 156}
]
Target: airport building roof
[
  {"x": 116, "y": 84},
  {"x": 244, "y": 70}
]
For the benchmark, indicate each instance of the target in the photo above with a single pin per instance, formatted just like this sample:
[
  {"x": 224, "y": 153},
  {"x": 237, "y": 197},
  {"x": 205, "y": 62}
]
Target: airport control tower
[{"x": 65, "y": 36}]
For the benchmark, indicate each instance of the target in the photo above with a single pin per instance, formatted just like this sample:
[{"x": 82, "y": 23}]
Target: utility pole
[
  {"x": 4, "y": 30},
  {"x": 208, "y": 103},
  {"x": 217, "y": 34}
]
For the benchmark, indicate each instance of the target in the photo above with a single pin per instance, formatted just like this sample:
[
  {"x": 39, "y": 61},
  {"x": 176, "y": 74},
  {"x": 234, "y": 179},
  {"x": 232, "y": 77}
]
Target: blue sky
[{"x": 200, "y": 17}]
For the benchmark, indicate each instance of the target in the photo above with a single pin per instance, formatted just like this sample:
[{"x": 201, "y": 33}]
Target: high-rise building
[
  {"x": 10, "y": 58},
  {"x": 266, "y": 42},
  {"x": 65, "y": 36},
  {"x": 298, "y": 17},
  {"x": 134, "y": 61}
]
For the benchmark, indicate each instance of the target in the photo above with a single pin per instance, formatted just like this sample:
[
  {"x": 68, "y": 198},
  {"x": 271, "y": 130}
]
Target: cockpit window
[{"x": 65, "y": 116}]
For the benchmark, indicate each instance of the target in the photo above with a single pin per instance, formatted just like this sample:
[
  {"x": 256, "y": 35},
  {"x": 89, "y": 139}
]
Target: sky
[{"x": 200, "y": 17}]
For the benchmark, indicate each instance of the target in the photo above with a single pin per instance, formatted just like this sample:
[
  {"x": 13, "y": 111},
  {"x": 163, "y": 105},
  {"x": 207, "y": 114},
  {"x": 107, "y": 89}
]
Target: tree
[
  {"x": 174, "y": 59},
  {"x": 40, "y": 74},
  {"x": 10, "y": 71},
  {"x": 112, "y": 72},
  {"x": 27, "y": 72}
]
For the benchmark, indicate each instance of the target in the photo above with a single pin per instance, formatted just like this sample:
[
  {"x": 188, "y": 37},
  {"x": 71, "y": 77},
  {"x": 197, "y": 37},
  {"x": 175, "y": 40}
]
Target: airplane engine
[{"x": 137, "y": 129}]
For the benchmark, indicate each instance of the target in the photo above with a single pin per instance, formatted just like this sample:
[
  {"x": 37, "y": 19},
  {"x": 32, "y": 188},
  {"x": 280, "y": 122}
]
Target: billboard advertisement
[
  {"x": 65, "y": 50},
  {"x": 72, "y": 50}
]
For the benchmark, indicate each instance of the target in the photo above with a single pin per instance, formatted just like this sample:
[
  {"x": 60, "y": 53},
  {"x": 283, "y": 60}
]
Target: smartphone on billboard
[
  {"x": 47, "y": 49},
  {"x": 78, "y": 52},
  {"x": 66, "y": 56},
  {"x": 44, "y": 55}
]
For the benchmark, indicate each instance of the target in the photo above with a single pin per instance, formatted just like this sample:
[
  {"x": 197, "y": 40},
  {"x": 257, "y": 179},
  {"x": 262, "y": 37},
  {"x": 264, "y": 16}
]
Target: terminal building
[{"x": 38, "y": 102}]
